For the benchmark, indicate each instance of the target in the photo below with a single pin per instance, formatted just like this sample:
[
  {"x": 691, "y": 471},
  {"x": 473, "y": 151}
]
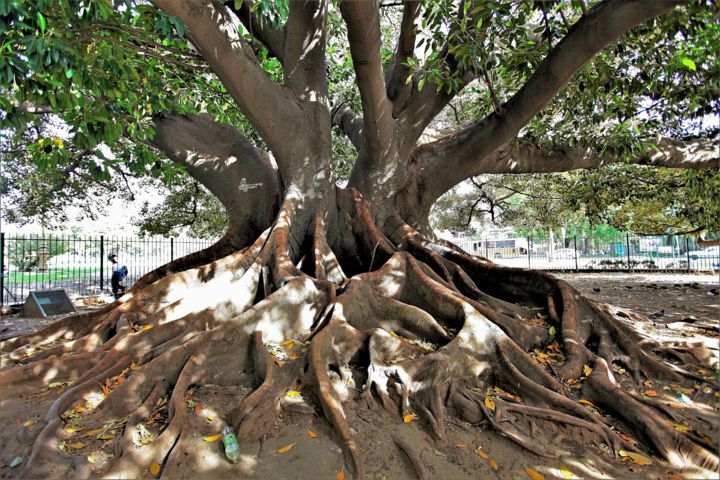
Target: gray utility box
[{"x": 47, "y": 303}]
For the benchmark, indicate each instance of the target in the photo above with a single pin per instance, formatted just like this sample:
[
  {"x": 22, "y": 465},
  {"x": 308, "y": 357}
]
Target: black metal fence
[
  {"x": 80, "y": 265},
  {"x": 623, "y": 252}
]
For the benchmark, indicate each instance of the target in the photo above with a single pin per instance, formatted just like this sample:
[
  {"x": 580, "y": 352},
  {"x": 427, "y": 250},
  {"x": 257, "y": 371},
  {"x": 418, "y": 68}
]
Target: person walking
[{"x": 118, "y": 276}]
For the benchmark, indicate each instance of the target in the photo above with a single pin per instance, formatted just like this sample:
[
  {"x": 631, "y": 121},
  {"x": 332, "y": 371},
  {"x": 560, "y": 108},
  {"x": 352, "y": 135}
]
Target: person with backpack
[{"x": 118, "y": 276}]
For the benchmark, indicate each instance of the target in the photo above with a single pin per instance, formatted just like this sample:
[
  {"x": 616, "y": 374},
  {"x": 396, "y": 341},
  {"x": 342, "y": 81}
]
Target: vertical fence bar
[
  {"x": 627, "y": 247},
  {"x": 576, "y": 254},
  {"x": 102, "y": 259},
  {"x": 2, "y": 269},
  {"x": 172, "y": 249},
  {"x": 687, "y": 252},
  {"x": 528, "y": 251}
]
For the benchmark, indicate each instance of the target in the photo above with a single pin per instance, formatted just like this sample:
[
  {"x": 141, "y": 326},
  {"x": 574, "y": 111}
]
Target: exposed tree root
[{"x": 388, "y": 318}]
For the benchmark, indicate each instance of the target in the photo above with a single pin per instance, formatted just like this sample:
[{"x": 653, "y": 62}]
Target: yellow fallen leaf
[
  {"x": 70, "y": 430},
  {"x": 210, "y": 418},
  {"x": 75, "y": 445},
  {"x": 292, "y": 393},
  {"x": 90, "y": 433},
  {"x": 147, "y": 327},
  {"x": 312, "y": 434},
  {"x": 650, "y": 393},
  {"x": 680, "y": 428},
  {"x": 106, "y": 436},
  {"x": 534, "y": 474},
  {"x": 154, "y": 469},
  {"x": 587, "y": 370},
  {"x": 134, "y": 367},
  {"x": 79, "y": 409},
  {"x": 587, "y": 402},
  {"x": 552, "y": 331},
  {"x": 482, "y": 453},
  {"x": 28, "y": 424},
  {"x": 286, "y": 448},
  {"x": 409, "y": 417},
  {"x": 565, "y": 472},
  {"x": 340, "y": 475},
  {"x": 461, "y": 445},
  {"x": 636, "y": 457},
  {"x": 489, "y": 403},
  {"x": 493, "y": 463},
  {"x": 213, "y": 438}
]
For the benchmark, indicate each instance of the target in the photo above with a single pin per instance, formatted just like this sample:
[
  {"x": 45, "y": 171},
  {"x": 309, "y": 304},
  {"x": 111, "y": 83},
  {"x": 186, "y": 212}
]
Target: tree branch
[
  {"x": 422, "y": 105},
  {"x": 273, "y": 39},
  {"x": 526, "y": 157},
  {"x": 344, "y": 118},
  {"x": 363, "y": 24},
  {"x": 396, "y": 78},
  {"x": 457, "y": 154},
  {"x": 304, "y": 55},
  {"x": 220, "y": 157},
  {"x": 216, "y": 38}
]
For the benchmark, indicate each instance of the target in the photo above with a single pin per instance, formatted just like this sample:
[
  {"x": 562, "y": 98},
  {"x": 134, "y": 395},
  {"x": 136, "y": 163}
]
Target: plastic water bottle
[{"x": 232, "y": 447}]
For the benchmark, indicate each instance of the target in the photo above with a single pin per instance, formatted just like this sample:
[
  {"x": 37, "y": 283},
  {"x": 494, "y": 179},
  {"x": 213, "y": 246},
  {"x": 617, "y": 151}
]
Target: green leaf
[
  {"x": 41, "y": 22},
  {"x": 688, "y": 63}
]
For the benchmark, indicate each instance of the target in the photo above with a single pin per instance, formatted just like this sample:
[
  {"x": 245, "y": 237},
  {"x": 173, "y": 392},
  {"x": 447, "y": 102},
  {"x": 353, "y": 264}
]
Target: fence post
[
  {"x": 2, "y": 269},
  {"x": 172, "y": 249},
  {"x": 627, "y": 246},
  {"x": 575, "y": 243},
  {"x": 102, "y": 259},
  {"x": 528, "y": 251},
  {"x": 687, "y": 252},
  {"x": 486, "y": 247}
]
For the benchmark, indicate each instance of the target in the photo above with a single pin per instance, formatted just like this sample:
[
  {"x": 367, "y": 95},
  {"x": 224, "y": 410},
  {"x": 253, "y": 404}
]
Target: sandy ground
[{"x": 684, "y": 308}]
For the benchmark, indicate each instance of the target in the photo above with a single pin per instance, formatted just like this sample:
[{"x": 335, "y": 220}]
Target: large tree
[{"x": 353, "y": 273}]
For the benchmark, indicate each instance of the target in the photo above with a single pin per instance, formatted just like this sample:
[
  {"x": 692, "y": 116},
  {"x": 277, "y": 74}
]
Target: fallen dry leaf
[
  {"x": 461, "y": 445},
  {"x": 628, "y": 439},
  {"x": 409, "y": 417},
  {"x": 286, "y": 448},
  {"x": 28, "y": 424},
  {"x": 482, "y": 453},
  {"x": 147, "y": 327},
  {"x": 552, "y": 331},
  {"x": 587, "y": 370},
  {"x": 534, "y": 474},
  {"x": 134, "y": 367},
  {"x": 75, "y": 445},
  {"x": 292, "y": 393},
  {"x": 489, "y": 403},
  {"x": 198, "y": 408},
  {"x": 79, "y": 409},
  {"x": 90, "y": 433},
  {"x": 650, "y": 393},
  {"x": 680, "y": 428},
  {"x": 636, "y": 457},
  {"x": 340, "y": 475},
  {"x": 493, "y": 463},
  {"x": 587, "y": 402},
  {"x": 312, "y": 434},
  {"x": 154, "y": 469},
  {"x": 213, "y": 438},
  {"x": 565, "y": 472}
]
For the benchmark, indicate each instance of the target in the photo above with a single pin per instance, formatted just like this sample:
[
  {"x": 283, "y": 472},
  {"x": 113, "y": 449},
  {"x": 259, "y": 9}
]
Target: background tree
[{"x": 350, "y": 272}]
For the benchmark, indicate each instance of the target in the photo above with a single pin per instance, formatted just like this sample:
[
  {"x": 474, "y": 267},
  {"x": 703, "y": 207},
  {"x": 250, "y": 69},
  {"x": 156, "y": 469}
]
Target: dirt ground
[{"x": 682, "y": 308}]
